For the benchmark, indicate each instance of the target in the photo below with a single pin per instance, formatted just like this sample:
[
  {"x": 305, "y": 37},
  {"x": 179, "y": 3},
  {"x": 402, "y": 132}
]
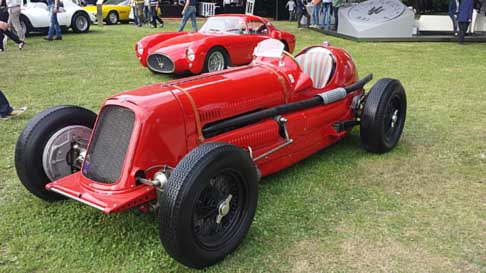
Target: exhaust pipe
[{"x": 320, "y": 99}]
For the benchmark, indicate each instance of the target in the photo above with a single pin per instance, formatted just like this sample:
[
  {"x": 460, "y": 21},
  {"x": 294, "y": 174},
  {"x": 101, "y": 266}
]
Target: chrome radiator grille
[
  {"x": 109, "y": 144},
  {"x": 160, "y": 63}
]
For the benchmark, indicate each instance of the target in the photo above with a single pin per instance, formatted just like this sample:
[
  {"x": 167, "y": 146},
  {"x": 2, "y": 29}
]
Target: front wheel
[
  {"x": 208, "y": 205},
  {"x": 383, "y": 116},
  {"x": 80, "y": 23},
  {"x": 216, "y": 60},
  {"x": 50, "y": 146}
]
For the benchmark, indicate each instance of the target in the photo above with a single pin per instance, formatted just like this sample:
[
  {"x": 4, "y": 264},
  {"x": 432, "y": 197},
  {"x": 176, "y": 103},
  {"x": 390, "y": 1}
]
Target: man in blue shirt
[
  {"x": 464, "y": 17},
  {"x": 54, "y": 27},
  {"x": 189, "y": 11}
]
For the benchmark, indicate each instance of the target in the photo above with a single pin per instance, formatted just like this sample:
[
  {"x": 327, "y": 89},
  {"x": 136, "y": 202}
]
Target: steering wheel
[{"x": 260, "y": 29}]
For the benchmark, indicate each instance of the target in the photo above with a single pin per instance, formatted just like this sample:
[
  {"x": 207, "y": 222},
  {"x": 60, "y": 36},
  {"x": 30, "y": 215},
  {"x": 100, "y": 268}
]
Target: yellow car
[{"x": 114, "y": 11}]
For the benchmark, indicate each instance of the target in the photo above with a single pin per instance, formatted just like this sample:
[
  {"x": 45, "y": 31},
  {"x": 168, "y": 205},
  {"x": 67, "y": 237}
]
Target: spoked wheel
[
  {"x": 208, "y": 204},
  {"x": 80, "y": 23},
  {"x": 383, "y": 116},
  {"x": 112, "y": 18},
  {"x": 52, "y": 146},
  {"x": 216, "y": 60},
  {"x": 218, "y": 209}
]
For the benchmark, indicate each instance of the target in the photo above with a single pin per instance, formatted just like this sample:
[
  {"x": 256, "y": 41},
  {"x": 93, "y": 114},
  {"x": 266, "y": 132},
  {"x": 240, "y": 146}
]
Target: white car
[{"x": 35, "y": 16}]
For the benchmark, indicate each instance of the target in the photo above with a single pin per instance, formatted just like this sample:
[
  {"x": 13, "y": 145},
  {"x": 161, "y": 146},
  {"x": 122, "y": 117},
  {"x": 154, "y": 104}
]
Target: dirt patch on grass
[{"x": 362, "y": 255}]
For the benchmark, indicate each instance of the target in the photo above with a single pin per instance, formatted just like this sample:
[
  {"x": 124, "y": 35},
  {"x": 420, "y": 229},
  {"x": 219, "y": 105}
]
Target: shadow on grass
[{"x": 298, "y": 203}]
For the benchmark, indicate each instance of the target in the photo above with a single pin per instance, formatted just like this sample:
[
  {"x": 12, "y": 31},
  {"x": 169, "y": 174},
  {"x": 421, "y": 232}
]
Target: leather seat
[{"x": 318, "y": 64}]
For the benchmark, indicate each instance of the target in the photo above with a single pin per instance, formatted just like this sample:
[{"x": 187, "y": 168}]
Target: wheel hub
[
  {"x": 57, "y": 159},
  {"x": 81, "y": 23},
  {"x": 223, "y": 209},
  {"x": 112, "y": 18},
  {"x": 216, "y": 62},
  {"x": 394, "y": 118},
  {"x": 218, "y": 209}
]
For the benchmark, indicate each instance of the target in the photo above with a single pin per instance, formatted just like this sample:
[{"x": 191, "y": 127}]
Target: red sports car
[
  {"x": 194, "y": 149},
  {"x": 224, "y": 40}
]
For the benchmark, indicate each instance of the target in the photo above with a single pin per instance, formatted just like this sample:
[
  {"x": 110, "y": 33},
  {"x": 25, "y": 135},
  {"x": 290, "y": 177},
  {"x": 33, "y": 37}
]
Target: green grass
[{"x": 419, "y": 208}]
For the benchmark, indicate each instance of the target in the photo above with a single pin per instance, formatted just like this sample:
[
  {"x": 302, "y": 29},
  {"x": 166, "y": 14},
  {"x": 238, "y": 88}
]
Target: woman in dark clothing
[
  {"x": 302, "y": 11},
  {"x": 4, "y": 27}
]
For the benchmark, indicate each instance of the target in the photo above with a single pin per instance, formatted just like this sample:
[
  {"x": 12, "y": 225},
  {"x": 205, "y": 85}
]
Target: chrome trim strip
[
  {"x": 77, "y": 199},
  {"x": 159, "y": 71},
  {"x": 282, "y": 124},
  {"x": 286, "y": 143}
]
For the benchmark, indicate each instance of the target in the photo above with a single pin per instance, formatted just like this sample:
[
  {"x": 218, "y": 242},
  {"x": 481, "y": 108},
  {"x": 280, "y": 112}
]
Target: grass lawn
[{"x": 419, "y": 208}]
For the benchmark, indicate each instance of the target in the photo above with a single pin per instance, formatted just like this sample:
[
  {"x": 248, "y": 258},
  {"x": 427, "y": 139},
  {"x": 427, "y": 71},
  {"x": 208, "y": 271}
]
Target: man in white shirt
[
  {"x": 14, "y": 18},
  {"x": 291, "y": 6}
]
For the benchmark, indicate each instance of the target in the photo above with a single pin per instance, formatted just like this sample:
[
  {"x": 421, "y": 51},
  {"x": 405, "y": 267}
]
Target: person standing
[
  {"x": 464, "y": 18},
  {"x": 4, "y": 27},
  {"x": 189, "y": 11},
  {"x": 99, "y": 12},
  {"x": 139, "y": 6},
  {"x": 291, "y": 6},
  {"x": 54, "y": 27},
  {"x": 453, "y": 12},
  {"x": 14, "y": 18},
  {"x": 326, "y": 13},
  {"x": 476, "y": 9},
  {"x": 146, "y": 11},
  {"x": 133, "y": 14},
  {"x": 302, "y": 11},
  {"x": 154, "y": 4},
  {"x": 336, "y": 4},
  {"x": 315, "y": 12}
]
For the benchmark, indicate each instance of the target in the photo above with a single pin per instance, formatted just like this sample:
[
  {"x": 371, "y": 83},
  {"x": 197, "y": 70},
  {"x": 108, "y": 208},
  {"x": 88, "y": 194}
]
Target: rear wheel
[
  {"x": 112, "y": 18},
  {"x": 208, "y": 204},
  {"x": 383, "y": 116},
  {"x": 80, "y": 22},
  {"x": 50, "y": 145}
]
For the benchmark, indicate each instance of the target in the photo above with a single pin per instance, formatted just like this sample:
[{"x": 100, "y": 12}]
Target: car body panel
[
  {"x": 122, "y": 9},
  {"x": 238, "y": 46},
  {"x": 170, "y": 117},
  {"x": 38, "y": 13}
]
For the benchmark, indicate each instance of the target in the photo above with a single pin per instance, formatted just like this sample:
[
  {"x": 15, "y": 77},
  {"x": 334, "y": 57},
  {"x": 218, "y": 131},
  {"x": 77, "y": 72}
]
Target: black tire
[
  {"x": 32, "y": 142},
  {"x": 216, "y": 50},
  {"x": 212, "y": 171},
  {"x": 112, "y": 18},
  {"x": 80, "y": 22},
  {"x": 383, "y": 116}
]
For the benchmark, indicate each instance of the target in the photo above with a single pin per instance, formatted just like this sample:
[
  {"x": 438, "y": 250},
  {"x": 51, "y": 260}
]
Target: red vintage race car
[
  {"x": 224, "y": 40},
  {"x": 194, "y": 149}
]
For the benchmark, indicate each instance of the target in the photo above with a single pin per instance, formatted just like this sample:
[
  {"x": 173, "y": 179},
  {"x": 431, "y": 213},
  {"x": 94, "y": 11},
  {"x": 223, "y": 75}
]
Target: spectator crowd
[{"x": 321, "y": 15}]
